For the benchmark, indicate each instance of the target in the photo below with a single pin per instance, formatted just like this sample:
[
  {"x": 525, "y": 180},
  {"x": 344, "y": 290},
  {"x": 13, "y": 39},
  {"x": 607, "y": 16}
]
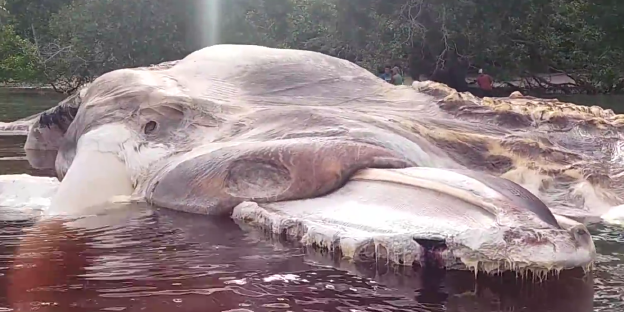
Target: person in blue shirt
[{"x": 387, "y": 74}]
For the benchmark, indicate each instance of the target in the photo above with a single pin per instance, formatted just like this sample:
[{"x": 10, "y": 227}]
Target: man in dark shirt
[
  {"x": 485, "y": 82},
  {"x": 387, "y": 75}
]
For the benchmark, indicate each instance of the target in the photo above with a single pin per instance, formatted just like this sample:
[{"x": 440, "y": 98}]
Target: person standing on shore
[
  {"x": 485, "y": 83},
  {"x": 387, "y": 75},
  {"x": 397, "y": 79}
]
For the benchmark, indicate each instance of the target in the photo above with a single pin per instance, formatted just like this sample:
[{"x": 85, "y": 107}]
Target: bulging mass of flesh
[
  {"x": 431, "y": 217},
  {"x": 318, "y": 148}
]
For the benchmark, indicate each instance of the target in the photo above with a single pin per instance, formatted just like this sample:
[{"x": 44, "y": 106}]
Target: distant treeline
[{"x": 66, "y": 43}]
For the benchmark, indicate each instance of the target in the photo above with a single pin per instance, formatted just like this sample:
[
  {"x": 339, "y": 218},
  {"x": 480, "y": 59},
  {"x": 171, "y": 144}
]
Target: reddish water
[{"x": 148, "y": 260}]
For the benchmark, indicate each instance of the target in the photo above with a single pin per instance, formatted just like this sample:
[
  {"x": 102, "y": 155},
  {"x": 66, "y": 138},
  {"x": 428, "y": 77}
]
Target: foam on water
[
  {"x": 614, "y": 216},
  {"x": 18, "y": 127},
  {"x": 21, "y": 191},
  {"x": 24, "y": 196},
  {"x": 9, "y": 129}
]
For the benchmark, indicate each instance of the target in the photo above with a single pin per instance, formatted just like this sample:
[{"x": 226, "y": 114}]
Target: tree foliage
[
  {"x": 18, "y": 58},
  {"x": 583, "y": 40},
  {"x": 94, "y": 37}
]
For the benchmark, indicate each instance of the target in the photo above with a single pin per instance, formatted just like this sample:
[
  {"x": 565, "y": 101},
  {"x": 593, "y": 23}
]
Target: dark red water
[
  {"x": 140, "y": 259},
  {"x": 146, "y": 260}
]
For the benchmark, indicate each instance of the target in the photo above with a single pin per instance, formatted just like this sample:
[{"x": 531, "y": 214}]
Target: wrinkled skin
[{"x": 233, "y": 126}]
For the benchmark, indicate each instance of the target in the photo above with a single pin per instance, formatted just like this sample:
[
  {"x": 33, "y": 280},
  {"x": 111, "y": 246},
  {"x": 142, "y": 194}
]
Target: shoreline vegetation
[
  {"x": 26, "y": 87},
  {"x": 560, "y": 47},
  {"x": 501, "y": 88}
]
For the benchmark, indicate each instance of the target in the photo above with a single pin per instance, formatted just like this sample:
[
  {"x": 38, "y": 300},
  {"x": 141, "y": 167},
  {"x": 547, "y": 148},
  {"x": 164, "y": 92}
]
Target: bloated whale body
[{"x": 312, "y": 147}]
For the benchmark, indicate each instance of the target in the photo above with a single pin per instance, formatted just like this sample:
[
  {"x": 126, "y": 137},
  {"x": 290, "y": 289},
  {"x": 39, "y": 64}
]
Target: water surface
[
  {"x": 19, "y": 104},
  {"x": 15, "y": 105},
  {"x": 138, "y": 258}
]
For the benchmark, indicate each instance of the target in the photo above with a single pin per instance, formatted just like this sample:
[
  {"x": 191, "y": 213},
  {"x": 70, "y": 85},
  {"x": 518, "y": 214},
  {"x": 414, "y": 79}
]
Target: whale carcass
[{"x": 320, "y": 150}]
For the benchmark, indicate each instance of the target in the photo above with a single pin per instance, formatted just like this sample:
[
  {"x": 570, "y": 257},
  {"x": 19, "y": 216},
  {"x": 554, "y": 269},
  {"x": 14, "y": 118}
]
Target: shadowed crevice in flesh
[{"x": 518, "y": 195}]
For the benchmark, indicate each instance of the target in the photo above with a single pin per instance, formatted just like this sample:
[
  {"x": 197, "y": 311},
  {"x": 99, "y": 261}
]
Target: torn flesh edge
[{"x": 399, "y": 249}]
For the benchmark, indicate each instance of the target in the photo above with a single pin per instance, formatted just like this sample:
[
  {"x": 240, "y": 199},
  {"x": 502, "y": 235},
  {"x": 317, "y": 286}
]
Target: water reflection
[
  {"x": 19, "y": 104},
  {"x": 14, "y": 160},
  {"x": 134, "y": 258},
  {"x": 609, "y": 281},
  {"x": 440, "y": 290}
]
